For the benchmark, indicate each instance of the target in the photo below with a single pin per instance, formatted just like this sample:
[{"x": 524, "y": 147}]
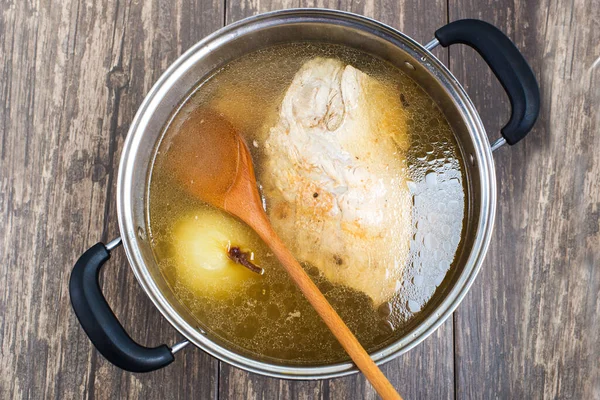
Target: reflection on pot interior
[{"x": 361, "y": 177}]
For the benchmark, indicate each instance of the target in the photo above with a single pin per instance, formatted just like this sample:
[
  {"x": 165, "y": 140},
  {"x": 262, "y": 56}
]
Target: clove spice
[{"x": 243, "y": 258}]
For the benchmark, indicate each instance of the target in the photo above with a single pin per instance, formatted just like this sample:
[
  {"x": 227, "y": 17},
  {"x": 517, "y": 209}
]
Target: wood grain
[
  {"x": 529, "y": 328},
  {"x": 72, "y": 75}
]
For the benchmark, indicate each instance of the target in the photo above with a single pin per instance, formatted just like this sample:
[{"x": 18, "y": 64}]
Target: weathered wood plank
[
  {"x": 72, "y": 77},
  {"x": 529, "y": 327},
  {"x": 155, "y": 34},
  {"x": 428, "y": 370}
]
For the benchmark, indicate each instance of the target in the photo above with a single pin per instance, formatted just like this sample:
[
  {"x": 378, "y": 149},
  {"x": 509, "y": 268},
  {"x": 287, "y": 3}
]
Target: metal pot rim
[{"x": 482, "y": 154}]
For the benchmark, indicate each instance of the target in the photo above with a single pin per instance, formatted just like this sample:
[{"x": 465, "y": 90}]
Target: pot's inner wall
[{"x": 225, "y": 48}]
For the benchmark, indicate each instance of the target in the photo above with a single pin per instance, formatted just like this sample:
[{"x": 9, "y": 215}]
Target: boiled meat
[{"x": 334, "y": 177}]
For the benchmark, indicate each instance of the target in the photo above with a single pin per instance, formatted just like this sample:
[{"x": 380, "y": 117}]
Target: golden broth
[{"x": 267, "y": 315}]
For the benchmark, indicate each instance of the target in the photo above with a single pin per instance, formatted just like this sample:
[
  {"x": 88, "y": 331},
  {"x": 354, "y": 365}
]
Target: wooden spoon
[{"x": 214, "y": 164}]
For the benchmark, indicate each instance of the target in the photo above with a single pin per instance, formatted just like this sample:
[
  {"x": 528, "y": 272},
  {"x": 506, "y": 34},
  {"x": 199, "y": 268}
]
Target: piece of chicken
[{"x": 334, "y": 177}]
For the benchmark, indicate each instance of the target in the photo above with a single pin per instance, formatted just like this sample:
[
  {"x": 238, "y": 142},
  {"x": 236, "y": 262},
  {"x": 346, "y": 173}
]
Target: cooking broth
[{"x": 266, "y": 315}]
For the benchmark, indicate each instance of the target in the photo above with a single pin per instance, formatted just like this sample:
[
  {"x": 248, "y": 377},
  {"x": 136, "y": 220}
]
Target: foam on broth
[{"x": 267, "y": 315}]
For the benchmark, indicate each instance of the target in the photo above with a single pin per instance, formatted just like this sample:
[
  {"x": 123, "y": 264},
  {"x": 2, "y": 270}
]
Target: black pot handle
[
  {"x": 509, "y": 66},
  {"x": 100, "y": 323}
]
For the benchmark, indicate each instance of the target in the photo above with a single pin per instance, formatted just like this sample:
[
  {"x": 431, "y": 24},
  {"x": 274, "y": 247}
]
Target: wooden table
[{"x": 72, "y": 75}]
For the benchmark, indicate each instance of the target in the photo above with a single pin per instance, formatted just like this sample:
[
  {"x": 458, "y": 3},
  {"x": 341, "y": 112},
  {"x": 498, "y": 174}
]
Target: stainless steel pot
[{"x": 267, "y": 30}]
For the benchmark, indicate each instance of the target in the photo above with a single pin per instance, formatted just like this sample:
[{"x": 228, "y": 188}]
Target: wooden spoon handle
[{"x": 337, "y": 326}]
